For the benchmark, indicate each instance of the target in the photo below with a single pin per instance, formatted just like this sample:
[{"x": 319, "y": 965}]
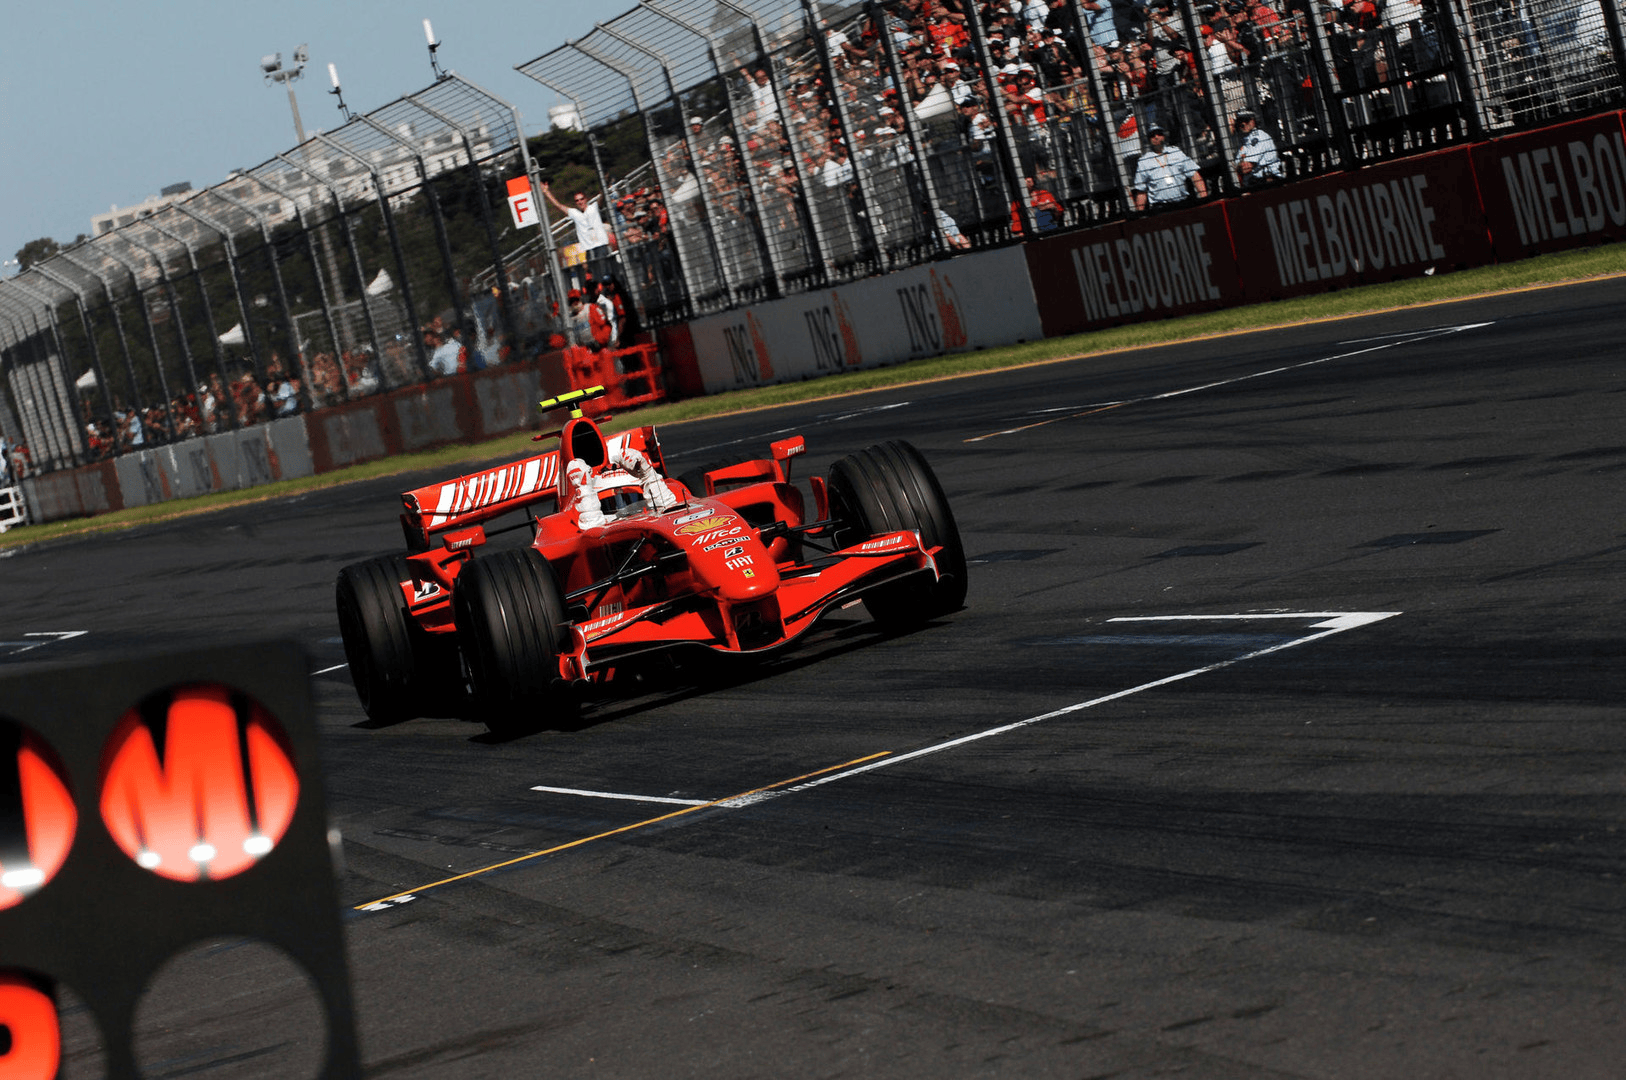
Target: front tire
[
  {"x": 888, "y": 488},
  {"x": 398, "y": 670},
  {"x": 512, "y": 627}
]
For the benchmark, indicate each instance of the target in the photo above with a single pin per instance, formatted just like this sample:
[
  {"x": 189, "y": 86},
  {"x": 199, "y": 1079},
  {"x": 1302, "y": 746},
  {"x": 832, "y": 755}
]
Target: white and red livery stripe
[{"x": 494, "y": 486}]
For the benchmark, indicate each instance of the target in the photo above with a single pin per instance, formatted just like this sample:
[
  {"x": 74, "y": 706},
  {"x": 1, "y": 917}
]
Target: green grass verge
[{"x": 1574, "y": 266}]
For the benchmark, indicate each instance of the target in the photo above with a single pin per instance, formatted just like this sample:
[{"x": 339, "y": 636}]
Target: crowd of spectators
[
  {"x": 822, "y": 133},
  {"x": 886, "y": 142}
]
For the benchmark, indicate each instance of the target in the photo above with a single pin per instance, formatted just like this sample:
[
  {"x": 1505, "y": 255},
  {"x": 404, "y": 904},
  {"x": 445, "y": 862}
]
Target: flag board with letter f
[{"x": 521, "y": 203}]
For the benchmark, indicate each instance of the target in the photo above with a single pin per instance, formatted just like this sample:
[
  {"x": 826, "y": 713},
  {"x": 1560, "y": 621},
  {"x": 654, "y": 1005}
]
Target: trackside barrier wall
[
  {"x": 467, "y": 407},
  {"x": 1547, "y": 190},
  {"x": 472, "y": 406},
  {"x": 1561, "y": 187},
  {"x": 229, "y": 461},
  {"x": 1541, "y": 191},
  {"x": 1398, "y": 220},
  {"x": 93, "y": 489},
  {"x": 972, "y": 302}
]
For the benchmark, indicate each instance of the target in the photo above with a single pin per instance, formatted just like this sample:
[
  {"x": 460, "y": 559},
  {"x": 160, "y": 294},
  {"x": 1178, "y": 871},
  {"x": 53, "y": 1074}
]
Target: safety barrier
[
  {"x": 13, "y": 508},
  {"x": 633, "y": 375}
]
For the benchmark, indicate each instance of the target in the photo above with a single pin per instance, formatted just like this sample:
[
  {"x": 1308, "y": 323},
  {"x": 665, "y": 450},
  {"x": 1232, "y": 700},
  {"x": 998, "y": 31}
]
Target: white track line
[
  {"x": 325, "y": 670},
  {"x": 618, "y": 795},
  {"x": 55, "y": 636},
  {"x": 1334, "y": 622},
  {"x": 1411, "y": 338}
]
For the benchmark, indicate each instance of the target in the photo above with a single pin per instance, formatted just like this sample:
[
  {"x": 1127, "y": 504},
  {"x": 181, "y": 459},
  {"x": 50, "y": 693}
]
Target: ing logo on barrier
[
  {"x": 198, "y": 783},
  {"x": 37, "y": 818}
]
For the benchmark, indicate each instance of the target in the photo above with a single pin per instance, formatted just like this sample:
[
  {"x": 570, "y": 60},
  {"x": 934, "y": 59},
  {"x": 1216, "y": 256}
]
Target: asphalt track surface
[{"x": 1283, "y": 735}]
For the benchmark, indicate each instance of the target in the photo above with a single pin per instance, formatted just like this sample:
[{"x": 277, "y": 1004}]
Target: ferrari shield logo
[{"x": 749, "y": 573}]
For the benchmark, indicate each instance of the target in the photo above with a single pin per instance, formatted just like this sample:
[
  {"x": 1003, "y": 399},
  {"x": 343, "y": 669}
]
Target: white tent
[
  {"x": 381, "y": 284},
  {"x": 87, "y": 381},
  {"x": 234, "y": 336}
]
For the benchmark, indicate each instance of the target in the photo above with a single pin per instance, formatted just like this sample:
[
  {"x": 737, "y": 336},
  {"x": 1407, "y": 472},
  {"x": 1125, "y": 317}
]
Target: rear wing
[{"x": 478, "y": 497}]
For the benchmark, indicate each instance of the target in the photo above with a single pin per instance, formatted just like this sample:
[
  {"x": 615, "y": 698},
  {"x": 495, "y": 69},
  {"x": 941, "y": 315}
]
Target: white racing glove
[
  {"x": 656, "y": 493},
  {"x": 582, "y": 494}
]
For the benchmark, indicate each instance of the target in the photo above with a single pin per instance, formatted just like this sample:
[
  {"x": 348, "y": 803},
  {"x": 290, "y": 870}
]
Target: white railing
[{"x": 13, "y": 508}]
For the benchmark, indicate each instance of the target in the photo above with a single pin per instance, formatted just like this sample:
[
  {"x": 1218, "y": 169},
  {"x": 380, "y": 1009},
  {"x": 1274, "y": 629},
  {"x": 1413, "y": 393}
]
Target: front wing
[{"x": 760, "y": 625}]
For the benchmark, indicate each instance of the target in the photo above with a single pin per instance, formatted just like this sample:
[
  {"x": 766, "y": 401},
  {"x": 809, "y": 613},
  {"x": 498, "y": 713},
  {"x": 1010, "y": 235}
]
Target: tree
[{"x": 37, "y": 251}]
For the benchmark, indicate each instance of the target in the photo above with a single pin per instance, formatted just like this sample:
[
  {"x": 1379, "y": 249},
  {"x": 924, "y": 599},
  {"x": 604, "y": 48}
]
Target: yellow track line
[{"x": 622, "y": 829}]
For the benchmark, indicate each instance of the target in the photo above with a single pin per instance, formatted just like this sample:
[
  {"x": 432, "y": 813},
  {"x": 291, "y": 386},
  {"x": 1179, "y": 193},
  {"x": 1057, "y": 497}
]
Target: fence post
[
  {"x": 174, "y": 310},
  {"x": 395, "y": 253},
  {"x": 814, "y": 225},
  {"x": 233, "y": 271},
  {"x": 1009, "y": 156},
  {"x": 817, "y": 25},
  {"x": 276, "y": 269},
  {"x": 321, "y": 283},
  {"x": 775, "y": 282},
  {"x": 679, "y": 241},
  {"x": 1103, "y": 104},
  {"x": 236, "y": 283},
  {"x": 731, "y": 287},
  {"x": 1473, "y": 113},
  {"x": 84, "y": 319},
  {"x": 930, "y": 204},
  {"x": 152, "y": 334},
  {"x": 208, "y": 316},
  {"x": 1218, "y": 118},
  {"x": 484, "y": 206},
  {"x": 1616, "y": 34}
]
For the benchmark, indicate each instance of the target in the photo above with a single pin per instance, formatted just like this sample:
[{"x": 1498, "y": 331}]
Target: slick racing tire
[
  {"x": 512, "y": 628},
  {"x": 887, "y": 488},
  {"x": 399, "y": 670}
]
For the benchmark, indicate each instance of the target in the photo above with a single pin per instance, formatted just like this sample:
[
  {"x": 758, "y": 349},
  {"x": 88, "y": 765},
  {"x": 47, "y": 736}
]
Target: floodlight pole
[{"x": 288, "y": 76}]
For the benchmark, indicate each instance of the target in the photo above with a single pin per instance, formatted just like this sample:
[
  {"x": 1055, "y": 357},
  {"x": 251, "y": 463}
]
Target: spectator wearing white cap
[
  {"x": 1257, "y": 162},
  {"x": 957, "y": 87}
]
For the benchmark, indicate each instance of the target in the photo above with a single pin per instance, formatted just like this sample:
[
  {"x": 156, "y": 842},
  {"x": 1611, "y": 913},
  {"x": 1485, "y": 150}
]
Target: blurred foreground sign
[{"x": 147, "y": 805}]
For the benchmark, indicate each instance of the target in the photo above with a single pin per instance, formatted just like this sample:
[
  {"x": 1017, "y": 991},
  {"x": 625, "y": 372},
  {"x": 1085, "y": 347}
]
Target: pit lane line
[
  {"x": 1408, "y": 338},
  {"x": 1332, "y": 622}
]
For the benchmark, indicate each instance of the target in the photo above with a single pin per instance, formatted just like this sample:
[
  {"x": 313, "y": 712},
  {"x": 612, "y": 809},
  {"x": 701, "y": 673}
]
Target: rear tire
[
  {"x": 888, "y": 488},
  {"x": 512, "y": 627},
  {"x": 400, "y": 671}
]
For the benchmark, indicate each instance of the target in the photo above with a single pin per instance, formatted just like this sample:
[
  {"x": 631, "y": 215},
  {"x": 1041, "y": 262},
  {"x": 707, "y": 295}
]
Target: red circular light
[
  {"x": 37, "y": 817},
  {"x": 198, "y": 783},
  {"x": 29, "y": 1015}
]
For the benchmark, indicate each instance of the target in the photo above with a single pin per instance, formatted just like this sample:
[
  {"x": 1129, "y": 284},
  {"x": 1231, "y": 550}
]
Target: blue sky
[{"x": 104, "y": 102}]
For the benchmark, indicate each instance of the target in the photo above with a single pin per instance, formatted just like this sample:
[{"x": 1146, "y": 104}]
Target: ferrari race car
[{"x": 625, "y": 562}]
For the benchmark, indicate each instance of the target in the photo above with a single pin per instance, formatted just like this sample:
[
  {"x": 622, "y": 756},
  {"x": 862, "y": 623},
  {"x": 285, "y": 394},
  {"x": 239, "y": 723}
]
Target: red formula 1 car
[{"x": 624, "y": 563}]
